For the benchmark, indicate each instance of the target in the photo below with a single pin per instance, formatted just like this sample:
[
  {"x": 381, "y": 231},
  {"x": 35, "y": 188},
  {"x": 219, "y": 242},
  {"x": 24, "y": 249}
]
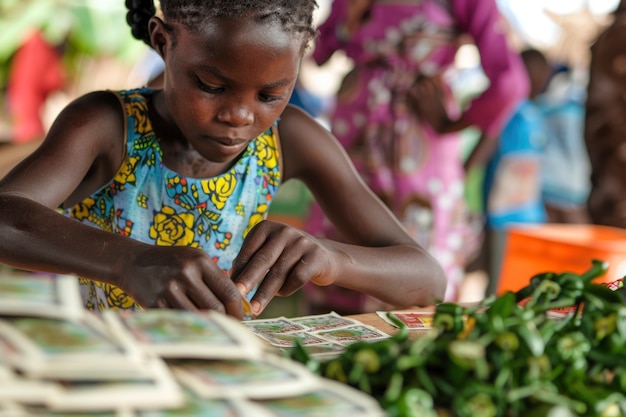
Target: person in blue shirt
[{"x": 512, "y": 185}]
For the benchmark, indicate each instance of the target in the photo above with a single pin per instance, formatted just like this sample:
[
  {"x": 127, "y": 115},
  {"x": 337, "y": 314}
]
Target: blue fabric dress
[{"x": 148, "y": 202}]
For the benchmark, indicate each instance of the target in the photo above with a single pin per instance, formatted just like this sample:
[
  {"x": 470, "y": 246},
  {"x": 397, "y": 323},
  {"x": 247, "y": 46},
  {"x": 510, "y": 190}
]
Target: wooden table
[{"x": 374, "y": 320}]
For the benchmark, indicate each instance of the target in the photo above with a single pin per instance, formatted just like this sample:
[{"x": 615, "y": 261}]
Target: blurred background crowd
[{"x": 544, "y": 144}]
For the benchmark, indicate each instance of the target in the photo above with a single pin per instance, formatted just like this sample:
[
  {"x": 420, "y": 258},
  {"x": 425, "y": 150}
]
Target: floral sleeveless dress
[{"x": 148, "y": 202}]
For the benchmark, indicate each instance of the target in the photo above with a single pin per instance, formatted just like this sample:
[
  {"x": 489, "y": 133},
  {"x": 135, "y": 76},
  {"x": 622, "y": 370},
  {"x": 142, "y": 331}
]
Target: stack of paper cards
[
  {"x": 68, "y": 349},
  {"x": 40, "y": 296},
  {"x": 184, "y": 334},
  {"x": 322, "y": 335},
  {"x": 15, "y": 388},
  {"x": 58, "y": 359},
  {"x": 159, "y": 391},
  {"x": 256, "y": 378},
  {"x": 329, "y": 399}
]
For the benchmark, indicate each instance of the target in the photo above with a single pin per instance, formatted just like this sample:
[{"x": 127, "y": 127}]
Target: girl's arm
[
  {"x": 380, "y": 258},
  {"x": 82, "y": 151}
]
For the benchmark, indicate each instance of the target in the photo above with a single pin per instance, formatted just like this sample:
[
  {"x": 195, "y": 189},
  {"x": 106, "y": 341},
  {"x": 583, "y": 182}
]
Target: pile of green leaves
[{"x": 502, "y": 357}]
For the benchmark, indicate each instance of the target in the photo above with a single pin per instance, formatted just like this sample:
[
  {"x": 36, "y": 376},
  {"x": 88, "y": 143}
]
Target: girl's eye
[
  {"x": 268, "y": 98},
  {"x": 207, "y": 88}
]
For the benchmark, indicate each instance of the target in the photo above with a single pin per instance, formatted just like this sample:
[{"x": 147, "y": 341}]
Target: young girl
[{"x": 164, "y": 192}]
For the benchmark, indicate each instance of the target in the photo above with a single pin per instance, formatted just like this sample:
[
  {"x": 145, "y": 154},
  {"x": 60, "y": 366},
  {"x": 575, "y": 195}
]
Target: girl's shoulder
[{"x": 95, "y": 114}]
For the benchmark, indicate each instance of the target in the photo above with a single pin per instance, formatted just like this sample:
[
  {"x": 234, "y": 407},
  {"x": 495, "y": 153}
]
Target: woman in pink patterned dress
[{"x": 397, "y": 119}]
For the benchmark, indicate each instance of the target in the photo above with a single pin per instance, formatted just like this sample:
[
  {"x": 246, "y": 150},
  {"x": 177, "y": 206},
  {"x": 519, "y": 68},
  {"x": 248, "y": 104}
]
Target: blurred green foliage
[{"x": 89, "y": 27}]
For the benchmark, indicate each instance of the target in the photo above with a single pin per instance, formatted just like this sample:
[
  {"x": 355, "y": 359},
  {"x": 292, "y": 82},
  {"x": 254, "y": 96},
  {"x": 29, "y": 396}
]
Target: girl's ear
[{"x": 159, "y": 36}]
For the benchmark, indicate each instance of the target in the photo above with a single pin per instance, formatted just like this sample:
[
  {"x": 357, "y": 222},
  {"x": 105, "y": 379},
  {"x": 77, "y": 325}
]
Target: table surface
[{"x": 374, "y": 320}]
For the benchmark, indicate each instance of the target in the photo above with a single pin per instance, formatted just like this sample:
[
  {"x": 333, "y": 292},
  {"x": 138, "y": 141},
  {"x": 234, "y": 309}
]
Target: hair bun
[{"x": 139, "y": 13}]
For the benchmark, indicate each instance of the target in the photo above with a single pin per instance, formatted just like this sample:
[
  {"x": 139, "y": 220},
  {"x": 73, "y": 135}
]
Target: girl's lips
[{"x": 229, "y": 146}]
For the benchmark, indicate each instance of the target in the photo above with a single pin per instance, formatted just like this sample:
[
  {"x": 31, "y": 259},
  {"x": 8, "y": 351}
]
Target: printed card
[
  {"x": 32, "y": 411},
  {"x": 349, "y": 335},
  {"x": 330, "y": 399},
  {"x": 284, "y": 340},
  {"x": 17, "y": 389},
  {"x": 196, "y": 406},
  {"x": 274, "y": 326},
  {"x": 413, "y": 320},
  {"x": 325, "y": 351},
  {"x": 328, "y": 321},
  {"x": 184, "y": 334},
  {"x": 158, "y": 391},
  {"x": 267, "y": 377},
  {"x": 26, "y": 294},
  {"x": 9, "y": 409},
  {"x": 67, "y": 349}
]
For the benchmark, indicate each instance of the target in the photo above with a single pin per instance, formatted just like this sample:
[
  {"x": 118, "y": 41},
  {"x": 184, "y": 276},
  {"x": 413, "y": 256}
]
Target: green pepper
[
  {"x": 474, "y": 402},
  {"x": 538, "y": 367},
  {"x": 603, "y": 326},
  {"x": 502, "y": 308},
  {"x": 603, "y": 293},
  {"x": 466, "y": 353},
  {"x": 598, "y": 268},
  {"x": 449, "y": 317},
  {"x": 334, "y": 370},
  {"x": 365, "y": 362},
  {"x": 403, "y": 333},
  {"x": 507, "y": 341},
  {"x": 613, "y": 404},
  {"x": 551, "y": 396},
  {"x": 573, "y": 348},
  {"x": 547, "y": 290},
  {"x": 300, "y": 354},
  {"x": 531, "y": 337},
  {"x": 572, "y": 285},
  {"x": 535, "y": 280},
  {"x": 413, "y": 402}
]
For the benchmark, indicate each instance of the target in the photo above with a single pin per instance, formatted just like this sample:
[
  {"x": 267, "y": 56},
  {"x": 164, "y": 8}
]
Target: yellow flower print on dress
[
  {"x": 220, "y": 189},
  {"x": 259, "y": 215},
  {"x": 266, "y": 151},
  {"x": 127, "y": 173},
  {"x": 81, "y": 211},
  {"x": 173, "y": 229},
  {"x": 118, "y": 299},
  {"x": 139, "y": 110}
]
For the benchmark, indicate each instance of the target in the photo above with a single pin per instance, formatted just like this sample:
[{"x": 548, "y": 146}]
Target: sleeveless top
[{"x": 148, "y": 202}]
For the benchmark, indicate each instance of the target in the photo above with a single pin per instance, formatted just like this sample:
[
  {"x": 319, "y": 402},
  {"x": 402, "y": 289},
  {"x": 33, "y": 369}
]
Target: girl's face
[{"x": 227, "y": 82}]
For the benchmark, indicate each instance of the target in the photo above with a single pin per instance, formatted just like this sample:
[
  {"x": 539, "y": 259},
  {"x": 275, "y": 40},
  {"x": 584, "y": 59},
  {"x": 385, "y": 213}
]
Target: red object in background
[{"x": 36, "y": 72}]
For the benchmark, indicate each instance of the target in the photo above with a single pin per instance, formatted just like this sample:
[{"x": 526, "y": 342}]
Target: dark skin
[{"x": 211, "y": 106}]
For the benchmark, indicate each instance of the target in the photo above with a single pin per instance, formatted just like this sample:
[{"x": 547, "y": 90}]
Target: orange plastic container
[{"x": 531, "y": 250}]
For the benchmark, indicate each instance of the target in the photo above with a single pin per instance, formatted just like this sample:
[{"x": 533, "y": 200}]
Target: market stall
[{"x": 555, "y": 346}]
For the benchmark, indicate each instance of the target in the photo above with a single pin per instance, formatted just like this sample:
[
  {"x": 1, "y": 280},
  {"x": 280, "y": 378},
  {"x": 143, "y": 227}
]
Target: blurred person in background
[
  {"x": 512, "y": 183},
  {"x": 605, "y": 123},
  {"x": 565, "y": 166},
  {"x": 35, "y": 73},
  {"x": 397, "y": 118}
]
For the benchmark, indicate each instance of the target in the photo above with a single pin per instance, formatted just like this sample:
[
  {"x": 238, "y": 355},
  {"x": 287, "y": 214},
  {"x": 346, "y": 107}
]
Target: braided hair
[{"x": 295, "y": 16}]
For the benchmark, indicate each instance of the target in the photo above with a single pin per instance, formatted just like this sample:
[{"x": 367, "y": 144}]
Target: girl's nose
[{"x": 237, "y": 115}]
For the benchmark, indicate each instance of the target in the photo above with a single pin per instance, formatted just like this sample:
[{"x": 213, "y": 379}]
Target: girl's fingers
[
  {"x": 219, "y": 295},
  {"x": 179, "y": 300}
]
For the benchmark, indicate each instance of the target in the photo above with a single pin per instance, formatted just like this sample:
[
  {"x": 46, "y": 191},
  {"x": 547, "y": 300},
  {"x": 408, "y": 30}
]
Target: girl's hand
[
  {"x": 281, "y": 259},
  {"x": 180, "y": 277}
]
